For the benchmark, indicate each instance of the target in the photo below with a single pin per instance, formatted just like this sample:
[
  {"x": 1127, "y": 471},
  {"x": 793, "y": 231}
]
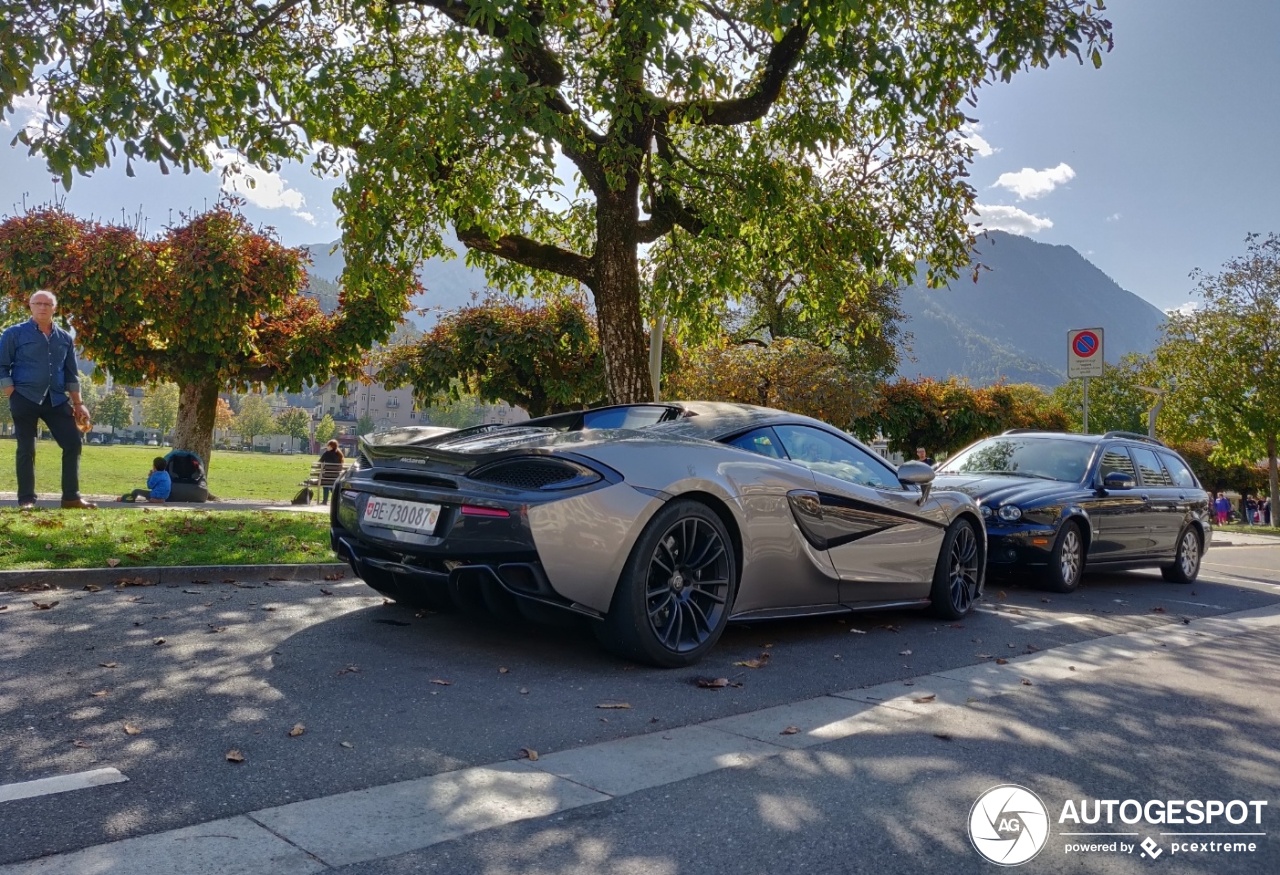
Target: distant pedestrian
[
  {"x": 1222, "y": 507},
  {"x": 39, "y": 376},
  {"x": 1244, "y": 509},
  {"x": 923, "y": 456},
  {"x": 1266, "y": 510},
  {"x": 159, "y": 484}
]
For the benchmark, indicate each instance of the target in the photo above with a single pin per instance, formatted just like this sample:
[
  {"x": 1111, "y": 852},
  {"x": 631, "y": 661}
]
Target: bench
[{"x": 323, "y": 475}]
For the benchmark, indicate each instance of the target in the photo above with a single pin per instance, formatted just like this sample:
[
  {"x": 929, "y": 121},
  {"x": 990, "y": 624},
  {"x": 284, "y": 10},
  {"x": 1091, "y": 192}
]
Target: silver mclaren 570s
[{"x": 660, "y": 522}]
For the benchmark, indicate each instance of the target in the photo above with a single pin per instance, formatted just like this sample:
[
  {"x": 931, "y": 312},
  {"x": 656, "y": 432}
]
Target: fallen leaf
[
  {"x": 297, "y": 730},
  {"x": 1071, "y": 668},
  {"x": 234, "y": 756},
  {"x": 108, "y": 664},
  {"x": 1158, "y": 610},
  {"x": 268, "y": 607},
  {"x": 441, "y": 682},
  {"x": 983, "y": 655},
  {"x": 524, "y": 691},
  {"x": 942, "y": 735},
  {"x": 1046, "y": 601},
  {"x": 1031, "y": 648},
  {"x": 4, "y": 607},
  {"x": 1000, "y": 595},
  {"x": 346, "y": 744},
  {"x": 502, "y": 669},
  {"x": 904, "y": 652},
  {"x": 790, "y": 730},
  {"x": 158, "y": 642},
  {"x": 1027, "y": 683},
  {"x": 112, "y": 563},
  {"x": 336, "y": 576},
  {"x": 351, "y": 669},
  {"x": 714, "y": 683},
  {"x": 759, "y": 662},
  {"x": 1000, "y": 660},
  {"x": 324, "y": 591},
  {"x": 920, "y": 700},
  {"x": 615, "y": 706},
  {"x": 527, "y": 753},
  {"x": 44, "y": 606},
  {"x": 99, "y": 694},
  {"x": 92, "y": 587},
  {"x": 213, "y": 628},
  {"x": 79, "y": 743},
  {"x": 131, "y": 729},
  {"x": 859, "y": 631},
  {"x": 888, "y": 626}
]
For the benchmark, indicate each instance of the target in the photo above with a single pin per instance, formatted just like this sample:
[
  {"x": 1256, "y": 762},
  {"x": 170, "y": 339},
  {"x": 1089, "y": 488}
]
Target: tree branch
[
  {"x": 531, "y": 254},
  {"x": 781, "y": 61}
]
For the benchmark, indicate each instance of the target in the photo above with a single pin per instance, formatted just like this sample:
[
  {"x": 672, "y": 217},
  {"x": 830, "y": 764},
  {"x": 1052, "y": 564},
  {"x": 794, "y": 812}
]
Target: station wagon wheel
[
  {"x": 1066, "y": 560},
  {"x": 1186, "y": 562},
  {"x": 957, "y": 578},
  {"x": 676, "y": 590}
]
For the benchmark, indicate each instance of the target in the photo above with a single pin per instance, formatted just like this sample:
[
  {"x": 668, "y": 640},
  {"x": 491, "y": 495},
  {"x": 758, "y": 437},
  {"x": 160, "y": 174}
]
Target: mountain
[
  {"x": 1012, "y": 323},
  {"x": 449, "y": 284}
]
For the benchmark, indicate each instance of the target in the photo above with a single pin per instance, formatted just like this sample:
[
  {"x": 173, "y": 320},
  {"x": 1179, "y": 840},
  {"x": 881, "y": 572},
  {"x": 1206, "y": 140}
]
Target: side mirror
[
  {"x": 1118, "y": 480},
  {"x": 917, "y": 474}
]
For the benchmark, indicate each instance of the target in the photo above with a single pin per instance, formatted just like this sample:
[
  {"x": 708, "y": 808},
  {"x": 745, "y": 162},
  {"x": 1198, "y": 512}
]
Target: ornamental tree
[
  {"x": 325, "y": 429},
  {"x": 717, "y": 119},
  {"x": 160, "y": 407},
  {"x": 207, "y": 305},
  {"x": 254, "y": 418},
  {"x": 114, "y": 409},
  {"x": 296, "y": 423},
  {"x": 1221, "y": 361},
  {"x": 543, "y": 357}
]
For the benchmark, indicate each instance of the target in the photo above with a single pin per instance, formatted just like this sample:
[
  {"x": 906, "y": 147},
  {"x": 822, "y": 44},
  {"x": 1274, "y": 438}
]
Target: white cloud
[
  {"x": 28, "y": 110},
  {"x": 259, "y": 187},
  {"x": 997, "y": 217},
  {"x": 306, "y": 217},
  {"x": 1027, "y": 183},
  {"x": 969, "y": 134},
  {"x": 1186, "y": 309},
  {"x": 1114, "y": 217}
]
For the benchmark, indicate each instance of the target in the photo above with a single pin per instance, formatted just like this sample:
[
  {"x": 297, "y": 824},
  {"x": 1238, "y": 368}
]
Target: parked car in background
[
  {"x": 659, "y": 522},
  {"x": 1059, "y": 504}
]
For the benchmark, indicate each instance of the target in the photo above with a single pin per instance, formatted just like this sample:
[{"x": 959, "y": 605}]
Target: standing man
[{"x": 39, "y": 376}]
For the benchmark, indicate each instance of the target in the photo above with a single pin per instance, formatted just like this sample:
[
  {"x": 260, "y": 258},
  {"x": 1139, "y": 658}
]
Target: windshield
[{"x": 1045, "y": 458}]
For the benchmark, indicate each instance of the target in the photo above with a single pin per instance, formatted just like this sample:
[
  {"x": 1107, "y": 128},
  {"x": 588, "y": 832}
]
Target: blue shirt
[
  {"x": 160, "y": 484},
  {"x": 36, "y": 365}
]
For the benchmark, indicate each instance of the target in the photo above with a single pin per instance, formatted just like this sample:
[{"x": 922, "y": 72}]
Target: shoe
[
  {"x": 126, "y": 498},
  {"x": 26, "y": 505},
  {"x": 78, "y": 504}
]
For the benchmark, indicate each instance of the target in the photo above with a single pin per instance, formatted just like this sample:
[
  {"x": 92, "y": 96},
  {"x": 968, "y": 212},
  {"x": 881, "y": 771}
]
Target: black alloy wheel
[
  {"x": 1186, "y": 563},
  {"x": 676, "y": 591},
  {"x": 1066, "y": 560},
  {"x": 958, "y": 575}
]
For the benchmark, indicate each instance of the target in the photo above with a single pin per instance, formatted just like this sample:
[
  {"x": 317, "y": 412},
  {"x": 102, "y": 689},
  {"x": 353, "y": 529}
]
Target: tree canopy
[
  {"x": 1222, "y": 360},
  {"x": 759, "y": 121}
]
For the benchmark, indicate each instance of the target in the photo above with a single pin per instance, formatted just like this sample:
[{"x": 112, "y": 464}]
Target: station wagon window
[
  {"x": 827, "y": 454},
  {"x": 761, "y": 442},
  {"x": 1153, "y": 473},
  {"x": 1178, "y": 470},
  {"x": 1115, "y": 459}
]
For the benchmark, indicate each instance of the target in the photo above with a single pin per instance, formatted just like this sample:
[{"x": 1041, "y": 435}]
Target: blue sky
[{"x": 1158, "y": 163}]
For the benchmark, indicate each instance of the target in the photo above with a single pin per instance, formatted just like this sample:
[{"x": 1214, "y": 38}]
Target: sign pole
[{"x": 1086, "y": 404}]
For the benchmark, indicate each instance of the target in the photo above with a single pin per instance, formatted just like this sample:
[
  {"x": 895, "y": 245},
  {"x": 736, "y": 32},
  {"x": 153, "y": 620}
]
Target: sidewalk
[
  {"x": 1243, "y": 539},
  {"x": 51, "y": 501}
]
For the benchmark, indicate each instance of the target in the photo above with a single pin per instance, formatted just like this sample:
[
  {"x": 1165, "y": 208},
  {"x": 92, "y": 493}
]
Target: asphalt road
[{"x": 162, "y": 682}]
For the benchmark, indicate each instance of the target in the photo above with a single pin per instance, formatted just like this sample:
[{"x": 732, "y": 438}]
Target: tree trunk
[
  {"x": 617, "y": 297},
  {"x": 197, "y": 409}
]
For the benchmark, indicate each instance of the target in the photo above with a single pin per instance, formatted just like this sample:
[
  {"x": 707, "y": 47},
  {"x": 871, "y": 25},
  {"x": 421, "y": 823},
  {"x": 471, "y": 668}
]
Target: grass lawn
[
  {"x": 138, "y": 537},
  {"x": 1249, "y": 530},
  {"x": 115, "y": 470}
]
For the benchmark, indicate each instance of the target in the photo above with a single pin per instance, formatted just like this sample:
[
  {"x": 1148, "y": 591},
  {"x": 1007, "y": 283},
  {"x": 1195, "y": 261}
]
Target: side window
[
  {"x": 761, "y": 442},
  {"x": 1152, "y": 471},
  {"x": 1178, "y": 470},
  {"x": 1116, "y": 459},
  {"x": 827, "y": 454}
]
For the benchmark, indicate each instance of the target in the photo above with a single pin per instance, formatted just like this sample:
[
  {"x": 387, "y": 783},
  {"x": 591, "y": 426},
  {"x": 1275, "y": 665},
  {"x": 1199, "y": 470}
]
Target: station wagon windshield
[{"x": 1044, "y": 458}]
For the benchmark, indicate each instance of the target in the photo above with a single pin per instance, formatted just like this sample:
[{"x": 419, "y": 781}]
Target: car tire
[
  {"x": 1066, "y": 560},
  {"x": 1186, "y": 562},
  {"x": 958, "y": 575},
  {"x": 676, "y": 590}
]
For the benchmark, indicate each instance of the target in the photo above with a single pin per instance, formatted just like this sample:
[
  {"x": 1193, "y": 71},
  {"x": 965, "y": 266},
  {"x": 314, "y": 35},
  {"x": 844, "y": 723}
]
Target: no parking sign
[{"x": 1084, "y": 353}]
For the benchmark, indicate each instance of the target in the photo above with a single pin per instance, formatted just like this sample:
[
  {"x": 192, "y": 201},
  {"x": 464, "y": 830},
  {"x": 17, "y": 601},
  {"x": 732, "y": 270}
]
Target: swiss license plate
[{"x": 392, "y": 513}]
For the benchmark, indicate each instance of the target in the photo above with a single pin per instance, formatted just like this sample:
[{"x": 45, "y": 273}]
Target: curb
[{"x": 71, "y": 578}]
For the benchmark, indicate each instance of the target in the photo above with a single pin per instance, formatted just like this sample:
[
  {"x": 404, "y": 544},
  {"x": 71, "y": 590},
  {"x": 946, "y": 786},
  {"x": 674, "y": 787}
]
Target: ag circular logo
[{"x": 1008, "y": 825}]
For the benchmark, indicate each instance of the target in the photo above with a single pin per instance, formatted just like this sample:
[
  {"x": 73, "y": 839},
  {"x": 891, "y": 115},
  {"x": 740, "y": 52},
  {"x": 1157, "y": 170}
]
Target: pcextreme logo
[{"x": 1008, "y": 825}]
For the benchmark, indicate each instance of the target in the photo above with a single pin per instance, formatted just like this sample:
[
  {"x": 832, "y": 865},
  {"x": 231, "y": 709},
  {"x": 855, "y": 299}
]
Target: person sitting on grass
[{"x": 159, "y": 484}]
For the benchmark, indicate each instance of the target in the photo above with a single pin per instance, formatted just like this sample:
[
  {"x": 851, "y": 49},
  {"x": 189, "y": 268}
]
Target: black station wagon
[{"x": 1056, "y": 503}]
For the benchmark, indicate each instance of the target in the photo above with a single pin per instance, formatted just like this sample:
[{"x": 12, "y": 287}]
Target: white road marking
[
  {"x": 60, "y": 784},
  {"x": 1196, "y": 604}
]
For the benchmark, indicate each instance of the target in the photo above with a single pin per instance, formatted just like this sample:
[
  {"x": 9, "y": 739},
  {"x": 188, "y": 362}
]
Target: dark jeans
[{"x": 62, "y": 425}]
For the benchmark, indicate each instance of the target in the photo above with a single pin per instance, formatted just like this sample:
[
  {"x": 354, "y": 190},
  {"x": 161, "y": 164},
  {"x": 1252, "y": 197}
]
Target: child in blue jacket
[{"x": 159, "y": 484}]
